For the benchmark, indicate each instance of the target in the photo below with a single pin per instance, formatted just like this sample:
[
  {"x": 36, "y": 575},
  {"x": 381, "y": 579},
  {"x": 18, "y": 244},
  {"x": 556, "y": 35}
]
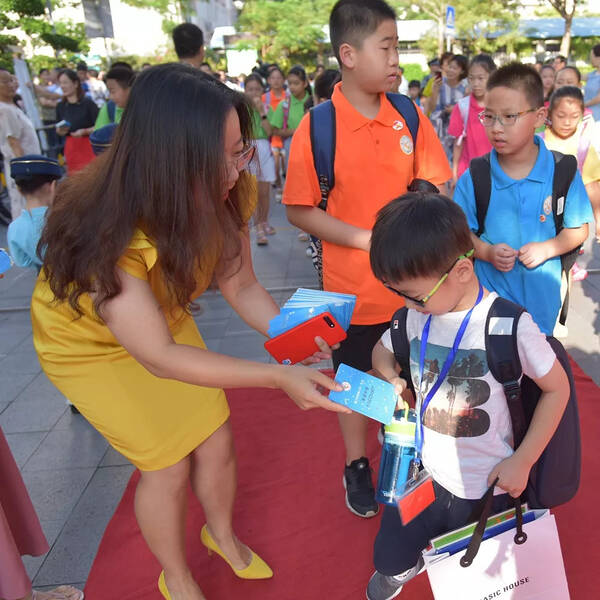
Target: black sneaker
[
  {"x": 360, "y": 493},
  {"x": 386, "y": 587}
]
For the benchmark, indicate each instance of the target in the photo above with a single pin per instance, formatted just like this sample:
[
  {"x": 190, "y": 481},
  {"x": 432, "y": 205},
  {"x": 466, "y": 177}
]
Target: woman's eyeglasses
[
  {"x": 245, "y": 156},
  {"x": 422, "y": 301}
]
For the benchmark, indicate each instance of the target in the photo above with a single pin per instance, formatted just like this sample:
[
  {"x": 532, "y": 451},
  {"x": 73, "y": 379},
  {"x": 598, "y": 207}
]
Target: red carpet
[{"x": 290, "y": 510}]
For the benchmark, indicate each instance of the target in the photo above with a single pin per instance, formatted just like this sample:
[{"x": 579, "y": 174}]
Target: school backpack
[
  {"x": 554, "y": 478},
  {"x": 322, "y": 140},
  {"x": 565, "y": 168},
  {"x": 111, "y": 109}
]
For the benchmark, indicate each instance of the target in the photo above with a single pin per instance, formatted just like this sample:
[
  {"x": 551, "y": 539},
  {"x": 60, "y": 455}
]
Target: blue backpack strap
[
  {"x": 111, "y": 108},
  {"x": 408, "y": 111},
  {"x": 322, "y": 140}
]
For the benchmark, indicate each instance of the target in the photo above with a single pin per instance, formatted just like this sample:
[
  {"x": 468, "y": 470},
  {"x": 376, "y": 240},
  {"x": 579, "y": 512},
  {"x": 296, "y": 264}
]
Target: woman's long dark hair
[{"x": 166, "y": 173}]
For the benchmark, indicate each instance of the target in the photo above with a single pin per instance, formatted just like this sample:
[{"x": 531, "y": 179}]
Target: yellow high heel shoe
[
  {"x": 257, "y": 569},
  {"x": 162, "y": 586}
]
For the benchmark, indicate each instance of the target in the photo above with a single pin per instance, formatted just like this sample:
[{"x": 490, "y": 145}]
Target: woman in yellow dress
[{"x": 130, "y": 242}]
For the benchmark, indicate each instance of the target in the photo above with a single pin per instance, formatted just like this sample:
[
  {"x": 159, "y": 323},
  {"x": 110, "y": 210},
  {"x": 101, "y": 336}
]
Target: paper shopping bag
[{"x": 504, "y": 570}]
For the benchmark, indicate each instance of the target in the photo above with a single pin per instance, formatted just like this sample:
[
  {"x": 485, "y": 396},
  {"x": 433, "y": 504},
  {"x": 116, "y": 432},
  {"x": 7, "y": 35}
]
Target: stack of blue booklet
[{"x": 305, "y": 304}]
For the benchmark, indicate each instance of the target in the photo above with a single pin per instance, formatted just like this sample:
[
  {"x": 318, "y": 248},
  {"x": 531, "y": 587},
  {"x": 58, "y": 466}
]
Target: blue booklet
[
  {"x": 365, "y": 394},
  {"x": 305, "y": 304}
]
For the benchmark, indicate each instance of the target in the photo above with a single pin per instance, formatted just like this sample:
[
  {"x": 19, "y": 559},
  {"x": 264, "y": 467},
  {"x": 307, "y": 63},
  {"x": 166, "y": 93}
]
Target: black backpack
[
  {"x": 554, "y": 478},
  {"x": 323, "y": 140},
  {"x": 565, "y": 168}
]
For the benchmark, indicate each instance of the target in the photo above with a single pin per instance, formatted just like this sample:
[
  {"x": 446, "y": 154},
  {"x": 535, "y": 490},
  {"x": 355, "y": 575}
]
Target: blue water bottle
[{"x": 396, "y": 456}]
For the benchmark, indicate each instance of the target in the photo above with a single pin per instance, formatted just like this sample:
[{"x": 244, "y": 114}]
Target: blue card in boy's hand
[{"x": 365, "y": 394}]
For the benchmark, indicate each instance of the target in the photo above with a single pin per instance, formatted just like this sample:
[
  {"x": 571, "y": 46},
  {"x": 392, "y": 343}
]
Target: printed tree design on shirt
[{"x": 454, "y": 409}]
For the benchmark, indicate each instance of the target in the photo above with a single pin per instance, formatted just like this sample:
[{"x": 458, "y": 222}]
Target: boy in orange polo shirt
[{"x": 375, "y": 161}]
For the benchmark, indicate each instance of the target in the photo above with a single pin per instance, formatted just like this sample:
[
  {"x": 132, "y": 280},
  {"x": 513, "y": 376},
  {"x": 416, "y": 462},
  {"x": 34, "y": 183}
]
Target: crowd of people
[{"x": 190, "y": 161}]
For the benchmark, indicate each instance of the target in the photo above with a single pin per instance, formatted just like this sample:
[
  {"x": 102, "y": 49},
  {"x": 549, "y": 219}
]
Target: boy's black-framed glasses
[
  {"x": 488, "y": 120},
  {"x": 422, "y": 301}
]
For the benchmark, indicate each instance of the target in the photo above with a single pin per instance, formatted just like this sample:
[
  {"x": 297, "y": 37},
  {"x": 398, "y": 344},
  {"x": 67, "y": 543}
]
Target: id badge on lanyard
[{"x": 419, "y": 493}]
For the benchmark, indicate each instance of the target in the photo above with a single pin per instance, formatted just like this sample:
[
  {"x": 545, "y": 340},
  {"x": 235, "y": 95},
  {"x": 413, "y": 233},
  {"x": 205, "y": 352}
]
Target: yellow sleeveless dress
[{"x": 153, "y": 422}]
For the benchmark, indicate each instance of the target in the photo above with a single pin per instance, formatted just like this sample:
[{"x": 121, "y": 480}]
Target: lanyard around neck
[{"x": 424, "y": 402}]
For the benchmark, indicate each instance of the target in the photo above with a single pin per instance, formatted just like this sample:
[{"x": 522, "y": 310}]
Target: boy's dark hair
[
  {"x": 517, "y": 76},
  {"x": 418, "y": 235},
  {"x": 124, "y": 77},
  {"x": 325, "y": 82},
  {"x": 32, "y": 183},
  {"x": 188, "y": 40},
  {"x": 351, "y": 21},
  {"x": 81, "y": 66},
  {"x": 485, "y": 61},
  {"x": 121, "y": 64},
  {"x": 574, "y": 69},
  {"x": 596, "y": 50},
  {"x": 561, "y": 58},
  {"x": 414, "y": 83},
  {"x": 566, "y": 91}
]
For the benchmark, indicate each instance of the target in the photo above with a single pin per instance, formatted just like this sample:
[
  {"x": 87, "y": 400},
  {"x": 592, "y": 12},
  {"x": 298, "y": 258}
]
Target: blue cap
[
  {"x": 34, "y": 164},
  {"x": 101, "y": 139}
]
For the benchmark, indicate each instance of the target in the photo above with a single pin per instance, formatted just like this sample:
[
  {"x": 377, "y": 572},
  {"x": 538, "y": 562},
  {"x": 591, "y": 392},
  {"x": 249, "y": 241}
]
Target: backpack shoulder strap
[
  {"x": 400, "y": 343},
  {"x": 111, "y": 108},
  {"x": 408, "y": 111},
  {"x": 565, "y": 167},
  {"x": 322, "y": 141},
  {"x": 503, "y": 358},
  {"x": 481, "y": 175}
]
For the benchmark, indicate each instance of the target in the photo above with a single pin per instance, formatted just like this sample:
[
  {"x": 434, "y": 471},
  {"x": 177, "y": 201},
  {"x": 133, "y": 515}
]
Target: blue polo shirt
[
  {"x": 23, "y": 236},
  {"x": 520, "y": 212}
]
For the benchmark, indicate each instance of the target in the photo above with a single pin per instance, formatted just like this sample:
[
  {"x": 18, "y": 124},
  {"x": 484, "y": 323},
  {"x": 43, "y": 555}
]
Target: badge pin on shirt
[
  {"x": 398, "y": 126},
  {"x": 406, "y": 144}
]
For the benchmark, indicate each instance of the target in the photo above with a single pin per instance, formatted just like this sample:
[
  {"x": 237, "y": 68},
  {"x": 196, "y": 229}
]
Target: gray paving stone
[
  {"x": 68, "y": 447},
  {"x": 23, "y": 445},
  {"x": 51, "y": 531},
  {"x": 12, "y": 384},
  {"x": 20, "y": 362},
  {"x": 37, "y": 413},
  {"x": 54, "y": 493},
  {"x": 112, "y": 458},
  {"x": 71, "y": 557},
  {"x": 249, "y": 346}
]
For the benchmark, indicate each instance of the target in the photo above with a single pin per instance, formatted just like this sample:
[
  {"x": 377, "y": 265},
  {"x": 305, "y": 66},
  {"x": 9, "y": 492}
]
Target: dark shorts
[
  {"x": 398, "y": 547},
  {"x": 355, "y": 351}
]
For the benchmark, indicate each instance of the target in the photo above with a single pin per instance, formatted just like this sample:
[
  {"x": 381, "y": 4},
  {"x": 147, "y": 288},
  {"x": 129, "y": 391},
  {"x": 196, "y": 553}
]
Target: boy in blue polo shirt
[
  {"x": 518, "y": 253},
  {"x": 36, "y": 176}
]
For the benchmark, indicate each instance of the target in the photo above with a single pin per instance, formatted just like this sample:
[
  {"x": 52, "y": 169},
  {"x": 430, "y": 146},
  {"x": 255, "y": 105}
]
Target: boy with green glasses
[{"x": 467, "y": 429}]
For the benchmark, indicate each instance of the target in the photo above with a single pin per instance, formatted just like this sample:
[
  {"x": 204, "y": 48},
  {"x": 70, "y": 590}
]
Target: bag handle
[{"x": 486, "y": 503}]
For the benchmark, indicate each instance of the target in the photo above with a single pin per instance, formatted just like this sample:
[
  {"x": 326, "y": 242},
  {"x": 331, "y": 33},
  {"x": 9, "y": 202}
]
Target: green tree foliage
[
  {"x": 286, "y": 31},
  {"x": 474, "y": 20},
  {"x": 6, "y": 41},
  {"x": 31, "y": 17}
]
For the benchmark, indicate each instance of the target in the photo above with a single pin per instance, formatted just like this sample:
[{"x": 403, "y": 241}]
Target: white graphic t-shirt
[{"x": 467, "y": 428}]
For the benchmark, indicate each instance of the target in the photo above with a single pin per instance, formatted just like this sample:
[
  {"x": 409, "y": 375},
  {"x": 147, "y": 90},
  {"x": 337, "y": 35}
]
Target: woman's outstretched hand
[{"x": 301, "y": 384}]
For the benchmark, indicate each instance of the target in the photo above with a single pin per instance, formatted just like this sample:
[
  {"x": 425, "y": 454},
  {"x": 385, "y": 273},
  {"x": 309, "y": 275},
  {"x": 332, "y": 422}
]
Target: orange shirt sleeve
[
  {"x": 431, "y": 163},
  {"x": 301, "y": 184}
]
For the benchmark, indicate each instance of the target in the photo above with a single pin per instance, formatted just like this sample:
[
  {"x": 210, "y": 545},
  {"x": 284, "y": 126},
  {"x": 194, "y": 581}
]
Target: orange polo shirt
[{"x": 374, "y": 163}]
